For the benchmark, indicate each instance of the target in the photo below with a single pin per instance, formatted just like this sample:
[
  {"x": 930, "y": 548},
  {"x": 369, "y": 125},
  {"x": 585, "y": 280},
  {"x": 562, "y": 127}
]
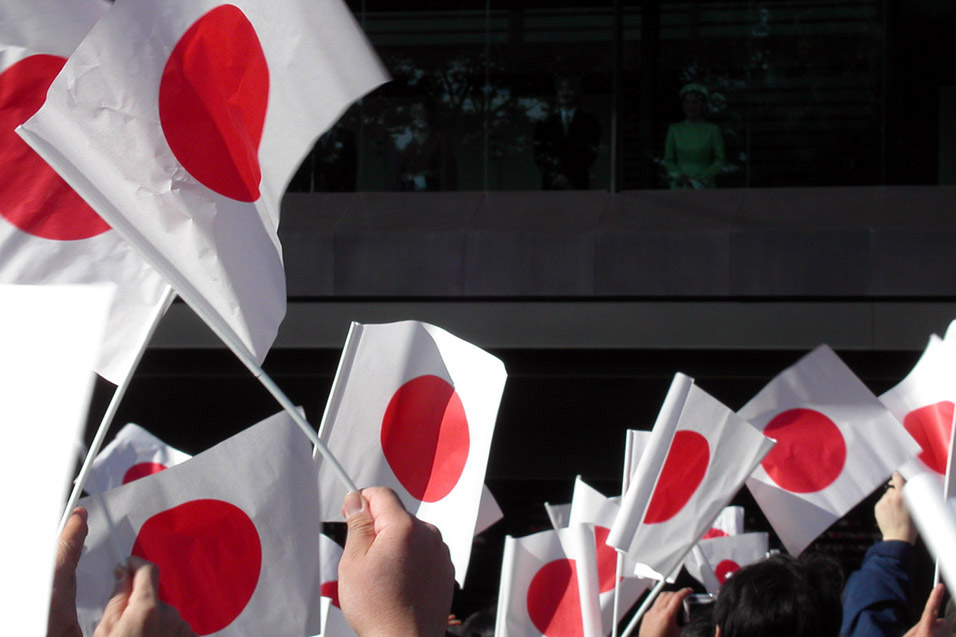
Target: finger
[
  {"x": 386, "y": 508},
  {"x": 72, "y": 537},
  {"x": 678, "y": 597},
  {"x": 897, "y": 481},
  {"x": 119, "y": 600},
  {"x": 70, "y": 544},
  {"x": 931, "y": 610},
  {"x": 383, "y": 501},
  {"x": 145, "y": 582}
]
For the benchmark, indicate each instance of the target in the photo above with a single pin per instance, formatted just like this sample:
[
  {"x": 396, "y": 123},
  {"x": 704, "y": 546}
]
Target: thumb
[
  {"x": 70, "y": 545},
  {"x": 361, "y": 524},
  {"x": 931, "y": 610}
]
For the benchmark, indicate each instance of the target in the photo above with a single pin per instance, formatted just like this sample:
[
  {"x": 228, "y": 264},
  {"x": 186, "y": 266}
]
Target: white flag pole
[
  {"x": 645, "y": 606},
  {"x": 118, "y": 393}
]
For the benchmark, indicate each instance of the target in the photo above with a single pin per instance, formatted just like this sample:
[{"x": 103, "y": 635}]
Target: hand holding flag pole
[{"x": 649, "y": 601}]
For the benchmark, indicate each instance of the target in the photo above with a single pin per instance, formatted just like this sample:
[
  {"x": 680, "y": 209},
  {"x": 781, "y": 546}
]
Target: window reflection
[{"x": 801, "y": 93}]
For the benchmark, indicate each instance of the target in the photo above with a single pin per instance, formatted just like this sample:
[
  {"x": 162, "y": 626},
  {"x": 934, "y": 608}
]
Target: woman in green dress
[{"x": 694, "y": 151}]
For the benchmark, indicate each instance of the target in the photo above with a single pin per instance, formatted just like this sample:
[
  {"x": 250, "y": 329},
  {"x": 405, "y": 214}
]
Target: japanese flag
[
  {"x": 549, "y": 585},
  {"x": 589, "y": 506},
  {"x": 413, "y": 408},
  {"x": 675, "y": 495},
  {"x": 133, "y": 453},
  {"x": 924, "y": 401},
  {"x": 730, "y": 521},
  {"x": 48, "y": 234},
  {"x": 835, "y": 444},
  {"x": 724, "y": 556},
  {"x": 234, "y": 532},
  {"x": 49, "y": 338},
  {"x": 181, "y": 121}
]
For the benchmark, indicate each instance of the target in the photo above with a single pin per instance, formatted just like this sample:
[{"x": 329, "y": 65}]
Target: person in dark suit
[{"x": 565, "y": 143}]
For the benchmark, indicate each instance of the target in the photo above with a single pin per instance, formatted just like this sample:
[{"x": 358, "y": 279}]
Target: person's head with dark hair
[
  {"x": 781, "y": 597},
  {"x": 567, "y": 89}
]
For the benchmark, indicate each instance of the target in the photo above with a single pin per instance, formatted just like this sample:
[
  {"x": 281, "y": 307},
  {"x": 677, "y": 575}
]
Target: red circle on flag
[
  {"x": 683, "y": 471},
  {"x": 810, "y": 452},
  {"x": 209, "y": 558},
  {"x": 213, "y": 97},
  {"x": 606, "y": 560},
  {"x": 554, "y": 604},
  {"x": 724, "y": 569},
  {"x": 141, "y": 470},
  {"x": 425, "y": 437},
  {"x": 714, "y": 532},
  {"x": 33, "y": 197},
  {"x": 932, "y": 427},
  {"x": 331, "y": 590}
]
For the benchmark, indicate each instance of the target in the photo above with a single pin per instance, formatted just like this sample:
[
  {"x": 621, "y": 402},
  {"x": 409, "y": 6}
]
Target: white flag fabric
[
  {"x": 333, "y": 621},
  {"x": 234, "y": 532},
  {"x": 48, "y": 234},
  {"x": 710, "y": 451},
  {"x": 331, "y": 554},
  {"x": 924, "y": 402},
  {"x": 549, "y": 585},
  {"x": 49, "y": 339},
  {"x": 836, "y": 443},
  {"x": 730, "y": 521},
  {"x": 726, "y": 555},
  {"x": 935, "y": 518},
  {"x": 590, "y": 506},
  {"x": 413, "y": 408},
  {"x": 488, "y": 511},
  {"x": 558, "y": 514},
  {"x": 182, "y": 121},
  {"x": 635, "y": 442},
  {"x": 134, "y": 453}
]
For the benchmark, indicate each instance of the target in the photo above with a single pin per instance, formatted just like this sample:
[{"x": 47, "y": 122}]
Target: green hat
[{"x": 693, "y": 88}]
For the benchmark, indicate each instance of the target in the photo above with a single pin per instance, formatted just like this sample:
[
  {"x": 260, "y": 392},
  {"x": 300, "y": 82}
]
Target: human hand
[
  {"x": 395, "y": 575},
  {"x": 891, "y": 514},
  {"x": 63, "y": 621},
  {"x": 930, "y": 625},
  {"x": 661, "y": 619},
  {"x": 135, "y": 609}
]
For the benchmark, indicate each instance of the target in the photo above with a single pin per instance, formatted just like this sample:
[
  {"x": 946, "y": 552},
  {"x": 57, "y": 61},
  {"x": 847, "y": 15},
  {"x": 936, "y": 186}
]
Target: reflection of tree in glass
[{"x": 464, "y": 103}]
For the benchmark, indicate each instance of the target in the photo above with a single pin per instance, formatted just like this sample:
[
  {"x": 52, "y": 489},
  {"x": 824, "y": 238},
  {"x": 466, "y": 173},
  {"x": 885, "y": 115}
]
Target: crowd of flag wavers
[
  {"x": 228, "y": 543},
  {"x": 179, "y": 124}
]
